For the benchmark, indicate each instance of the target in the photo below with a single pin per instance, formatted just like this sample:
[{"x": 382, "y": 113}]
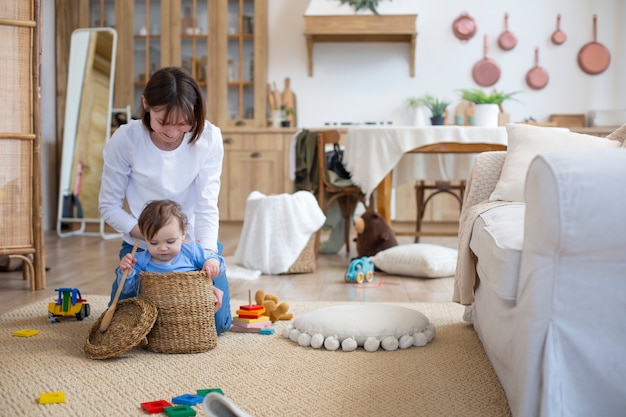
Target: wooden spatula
[{"x": 108, "y": 316}]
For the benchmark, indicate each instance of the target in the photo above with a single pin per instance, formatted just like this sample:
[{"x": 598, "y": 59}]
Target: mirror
[{"x": 87, "y": 127}]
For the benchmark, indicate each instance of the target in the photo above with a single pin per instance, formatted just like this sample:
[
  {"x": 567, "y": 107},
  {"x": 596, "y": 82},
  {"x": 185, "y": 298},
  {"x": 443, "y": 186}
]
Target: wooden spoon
[{"x": 108, "y": 316}]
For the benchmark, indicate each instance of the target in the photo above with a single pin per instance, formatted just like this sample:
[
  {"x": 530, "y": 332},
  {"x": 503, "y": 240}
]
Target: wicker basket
[
  {"x": 185, "y": 304},
  {"x": 306, "y": 261}
]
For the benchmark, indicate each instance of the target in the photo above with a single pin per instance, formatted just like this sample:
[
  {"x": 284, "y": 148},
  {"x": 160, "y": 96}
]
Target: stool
[{"x": 457, "y": 190}]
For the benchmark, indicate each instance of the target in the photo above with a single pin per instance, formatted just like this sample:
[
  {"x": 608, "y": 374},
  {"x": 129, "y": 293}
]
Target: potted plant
[
  {"x": 436, "y": 106},
  {"x": 487, "y": 105},
  {"x": 362, "y": 4},
  {"x": 285, "y": 112}
]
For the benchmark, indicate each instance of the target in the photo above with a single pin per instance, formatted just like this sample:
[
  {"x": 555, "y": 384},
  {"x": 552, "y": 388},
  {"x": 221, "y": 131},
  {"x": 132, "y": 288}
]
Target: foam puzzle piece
[
  {"x": 187, "y": 399},
  {"x": 154, "y": 407},
  {"x": 207, "y": 391},
  {"x": 51, "y": 397},
  {"x": 267, "y": 331},
  {"x": 179, "y": 411},
  {"x": 25, "y": 332}
]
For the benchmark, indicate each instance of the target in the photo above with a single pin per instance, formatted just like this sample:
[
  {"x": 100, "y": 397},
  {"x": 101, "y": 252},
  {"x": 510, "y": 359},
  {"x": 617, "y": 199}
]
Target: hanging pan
[
  {"x": 558, "y": 36},
  {"x": 507, "y": 39},
  {"x": 537, "y": 77},
  {"x": 486, "y": 72},
  {"x": 594, "y": 58},
  {"x": 464, "y": 27}
]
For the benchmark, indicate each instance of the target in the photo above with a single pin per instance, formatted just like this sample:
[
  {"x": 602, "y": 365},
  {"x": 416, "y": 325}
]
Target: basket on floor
[
  {"x": 185, "y": 304},
  {"x": 131, "y": 322},
  {"x": 306, "y": 261}
]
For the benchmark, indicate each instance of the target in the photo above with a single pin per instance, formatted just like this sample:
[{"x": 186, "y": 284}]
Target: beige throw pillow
[
  {"x": 619, "y": 135},
  {"x": 524, "y": 142}
]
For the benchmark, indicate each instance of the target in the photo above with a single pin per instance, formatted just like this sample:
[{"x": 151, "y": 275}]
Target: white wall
[
  {"x": 360, "y": 82},
  {"x": 357, "y": 82}
]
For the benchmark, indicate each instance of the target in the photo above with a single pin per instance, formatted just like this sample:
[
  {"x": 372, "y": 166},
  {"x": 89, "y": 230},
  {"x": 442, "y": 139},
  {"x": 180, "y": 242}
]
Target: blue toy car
[{"x": 360, "y": 269}]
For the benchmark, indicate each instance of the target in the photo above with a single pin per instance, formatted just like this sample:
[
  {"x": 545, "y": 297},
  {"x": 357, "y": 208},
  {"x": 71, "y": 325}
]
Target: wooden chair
[
  {"x": 456, "y": 189},
  {"x": 347, "y": 197}
]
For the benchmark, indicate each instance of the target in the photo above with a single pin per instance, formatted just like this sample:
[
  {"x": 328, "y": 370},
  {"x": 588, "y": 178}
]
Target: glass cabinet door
[
  {"x": 101, "y": 13},
  {"x": 147, "y": 46},
  {"x": 240, "y": 74},
  {"x": 194, "y": 40}
]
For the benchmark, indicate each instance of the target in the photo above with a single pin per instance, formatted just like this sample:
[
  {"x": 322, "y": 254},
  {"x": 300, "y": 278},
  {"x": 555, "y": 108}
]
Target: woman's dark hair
[
  {"x": 176, "y": 90},
  {"x": 159, "y": 213}
]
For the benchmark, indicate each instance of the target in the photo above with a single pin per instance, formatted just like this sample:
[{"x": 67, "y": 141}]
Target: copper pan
[
  {"x": 486, "y": 72},
  {"x": 594, "y": 58},
  {"x": 558, "y": 36},
  {"x": 537, "y": 77},
  {"x": 507, "y": 39},
  {"x": 464, "y": 27}
]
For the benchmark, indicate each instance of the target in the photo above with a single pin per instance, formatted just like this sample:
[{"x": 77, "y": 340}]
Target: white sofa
[{"x": 545, "y": 281}]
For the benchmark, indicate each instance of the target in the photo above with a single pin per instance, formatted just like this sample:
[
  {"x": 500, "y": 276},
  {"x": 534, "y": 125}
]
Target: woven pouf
[
  {"x": 185, "y": 303},
  {"x": 131, "y": 322}
]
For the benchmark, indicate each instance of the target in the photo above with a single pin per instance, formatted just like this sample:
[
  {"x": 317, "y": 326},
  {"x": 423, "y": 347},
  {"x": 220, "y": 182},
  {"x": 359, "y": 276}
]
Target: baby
[{"x": 163, "y": 225}]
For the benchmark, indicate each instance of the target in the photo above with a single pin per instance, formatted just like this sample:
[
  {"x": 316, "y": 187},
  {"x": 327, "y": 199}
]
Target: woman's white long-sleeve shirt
[{"x": 136, "y": 170}]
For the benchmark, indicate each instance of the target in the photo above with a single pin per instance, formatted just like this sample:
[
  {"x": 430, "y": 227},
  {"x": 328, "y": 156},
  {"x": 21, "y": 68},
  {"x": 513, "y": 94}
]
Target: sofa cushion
[
  {"x": 497, "y": 238},
  {"x": 524, "y": 142}
]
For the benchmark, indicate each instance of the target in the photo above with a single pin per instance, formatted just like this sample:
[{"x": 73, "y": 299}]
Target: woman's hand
[
  {"x": 212, "y": 267},
  {"x": 127, "y": 262},
  {"x": 218, "y": 298}
]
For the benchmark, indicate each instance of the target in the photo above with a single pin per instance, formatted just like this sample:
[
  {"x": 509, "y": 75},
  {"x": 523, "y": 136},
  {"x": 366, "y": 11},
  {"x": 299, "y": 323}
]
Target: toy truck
[
  {"x": 360, "y": 269},
  {"x": 68, "y": 303}
]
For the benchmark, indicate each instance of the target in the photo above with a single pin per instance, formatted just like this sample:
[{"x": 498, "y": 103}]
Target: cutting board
[{"x": 288, "y": 99}]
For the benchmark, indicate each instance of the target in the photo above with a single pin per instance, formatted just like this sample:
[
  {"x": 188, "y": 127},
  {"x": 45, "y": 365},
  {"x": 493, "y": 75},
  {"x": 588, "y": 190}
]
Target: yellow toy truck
[{"x": 68, "y": 303}]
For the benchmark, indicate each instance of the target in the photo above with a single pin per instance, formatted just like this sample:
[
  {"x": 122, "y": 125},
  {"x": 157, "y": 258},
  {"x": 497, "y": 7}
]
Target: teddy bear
[
  {"x": 373, "y": 234},
  {"x": 273, "y": 309}
]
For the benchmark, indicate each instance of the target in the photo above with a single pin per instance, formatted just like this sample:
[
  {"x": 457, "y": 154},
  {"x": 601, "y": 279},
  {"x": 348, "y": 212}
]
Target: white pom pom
[
  {"x": 294, "y": 334},
  {"x": 317, "y": 341},
  {"x": 390, "y": 343},
  {"x": 286, "y": 331},
  {"x": 371, "y": 344},
  {"x": 349, "y": 344},
  {"x": 304, "y": 339},
  {"x": 331, "y": 343},
  {"x": 429, "y": 332},
  {"x": 406, "y": 341},
  {"x": 419, "y": 339}
]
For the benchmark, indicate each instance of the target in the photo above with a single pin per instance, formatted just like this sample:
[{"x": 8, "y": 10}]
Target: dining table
[{"x": 381, "y": 158}]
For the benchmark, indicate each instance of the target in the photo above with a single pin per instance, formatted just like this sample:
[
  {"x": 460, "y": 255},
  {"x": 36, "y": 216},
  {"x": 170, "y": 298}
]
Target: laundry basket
[
  {"x": 185, "y": 305},
  {"x": 306, "y": 261}
]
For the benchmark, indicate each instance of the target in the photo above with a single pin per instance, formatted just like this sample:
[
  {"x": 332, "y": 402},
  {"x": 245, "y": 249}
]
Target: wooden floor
[{"x": 88, "y": 263}]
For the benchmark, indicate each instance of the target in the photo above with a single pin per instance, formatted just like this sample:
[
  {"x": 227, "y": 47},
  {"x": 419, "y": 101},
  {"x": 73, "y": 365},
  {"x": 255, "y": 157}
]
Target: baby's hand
[
  {"x": 219, "y": 294},
  {"x": 212, "y": 267},
  {"x": 127, "y": 262}
]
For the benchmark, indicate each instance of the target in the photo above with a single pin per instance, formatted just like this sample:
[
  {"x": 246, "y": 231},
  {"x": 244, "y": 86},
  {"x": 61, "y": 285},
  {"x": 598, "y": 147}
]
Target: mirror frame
[{"x": 83, "y": 62}]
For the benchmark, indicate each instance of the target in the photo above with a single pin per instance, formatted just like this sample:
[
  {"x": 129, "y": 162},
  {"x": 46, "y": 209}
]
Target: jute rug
[{"x": 263, "y": 375}]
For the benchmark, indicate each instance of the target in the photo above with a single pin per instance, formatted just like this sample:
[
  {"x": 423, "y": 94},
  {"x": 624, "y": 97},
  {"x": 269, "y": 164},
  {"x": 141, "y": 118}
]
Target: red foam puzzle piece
[{"x": 153, "y": 407}]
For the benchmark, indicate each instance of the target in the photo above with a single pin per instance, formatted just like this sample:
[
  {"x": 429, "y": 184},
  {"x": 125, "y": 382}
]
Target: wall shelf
[{"x": 361, "y": 28}]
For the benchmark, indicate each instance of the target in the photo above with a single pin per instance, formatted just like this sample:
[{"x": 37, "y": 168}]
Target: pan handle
[
  {"x": 536, "y": 56},
  {"x": 485, "y": 46},
  {"x": 595, "y": 29}
]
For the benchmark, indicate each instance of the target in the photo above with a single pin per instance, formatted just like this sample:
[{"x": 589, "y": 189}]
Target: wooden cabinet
[
  {"x": 223, "y": 43},
  {"x": 254, "y": 160}
]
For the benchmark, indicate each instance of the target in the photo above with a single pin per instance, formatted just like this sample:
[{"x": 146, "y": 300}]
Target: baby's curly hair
[{"x": 158, "y": 213}]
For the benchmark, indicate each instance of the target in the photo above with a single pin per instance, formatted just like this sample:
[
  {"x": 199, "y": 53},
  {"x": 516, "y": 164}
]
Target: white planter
[
  {"x": 421, "y": 116},
  {"x": 486, "y": 115}
]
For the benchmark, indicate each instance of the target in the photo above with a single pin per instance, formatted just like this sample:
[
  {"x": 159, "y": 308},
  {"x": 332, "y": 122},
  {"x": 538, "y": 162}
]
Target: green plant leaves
[{"x": 362, "y": 4}]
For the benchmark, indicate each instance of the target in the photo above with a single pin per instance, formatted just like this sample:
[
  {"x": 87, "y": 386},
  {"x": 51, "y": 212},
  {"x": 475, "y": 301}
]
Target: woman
[{"x": 173, "y": 153}]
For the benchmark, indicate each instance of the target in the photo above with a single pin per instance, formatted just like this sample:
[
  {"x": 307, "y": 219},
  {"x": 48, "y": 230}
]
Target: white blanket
[{"x": 276, "y": 230}]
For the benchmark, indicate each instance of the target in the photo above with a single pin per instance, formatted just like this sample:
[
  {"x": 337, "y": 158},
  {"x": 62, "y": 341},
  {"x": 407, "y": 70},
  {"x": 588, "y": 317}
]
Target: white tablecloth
[{"x": 371, "y": 152}]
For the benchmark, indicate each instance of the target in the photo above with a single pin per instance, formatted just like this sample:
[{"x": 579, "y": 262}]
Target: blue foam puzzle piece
[{"x": 188, "y": 399}]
